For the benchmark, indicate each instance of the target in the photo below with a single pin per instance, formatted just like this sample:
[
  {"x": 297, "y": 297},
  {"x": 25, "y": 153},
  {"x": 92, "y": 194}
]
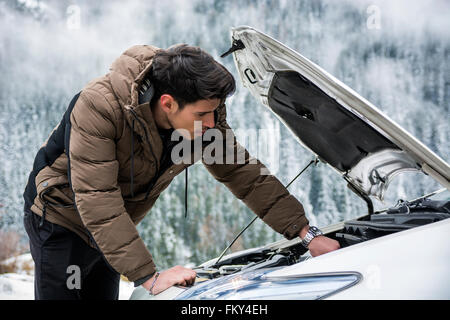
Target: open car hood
[{"x": 331, "y": 120}]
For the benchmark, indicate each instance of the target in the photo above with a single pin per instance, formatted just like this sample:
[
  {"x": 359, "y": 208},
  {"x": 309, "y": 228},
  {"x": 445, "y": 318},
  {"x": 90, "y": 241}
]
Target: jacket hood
[
  {"x": 126, "y": 75},
  {"x": 127, "y": 72}
]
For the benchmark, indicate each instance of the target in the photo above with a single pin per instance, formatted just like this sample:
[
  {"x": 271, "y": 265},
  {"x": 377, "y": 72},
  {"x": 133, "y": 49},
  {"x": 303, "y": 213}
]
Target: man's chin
[
  {"x": 197, "y": 135},
  {"x": 189, "y": 135},
  {"x": 192, "y": 137}
]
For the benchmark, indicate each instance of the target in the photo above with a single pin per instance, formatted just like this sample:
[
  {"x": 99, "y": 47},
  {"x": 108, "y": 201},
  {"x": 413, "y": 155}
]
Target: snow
[
  {"x": 20, "y": 285},
  {"x": 14, "y": 286}
]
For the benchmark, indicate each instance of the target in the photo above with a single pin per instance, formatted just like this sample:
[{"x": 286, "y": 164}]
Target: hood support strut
[{"x": 361, "y": 195}]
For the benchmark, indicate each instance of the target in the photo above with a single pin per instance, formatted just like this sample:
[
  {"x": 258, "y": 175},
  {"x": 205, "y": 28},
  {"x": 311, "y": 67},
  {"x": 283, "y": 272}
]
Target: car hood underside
[{"x": 331, "y": 120}]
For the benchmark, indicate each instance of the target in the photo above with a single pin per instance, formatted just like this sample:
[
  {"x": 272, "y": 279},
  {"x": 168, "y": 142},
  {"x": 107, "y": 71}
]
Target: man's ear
[{"x": 168, "y": 103}]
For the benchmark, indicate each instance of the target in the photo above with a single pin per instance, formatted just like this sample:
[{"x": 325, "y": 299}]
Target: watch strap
[{"x": 310, "y": 235}]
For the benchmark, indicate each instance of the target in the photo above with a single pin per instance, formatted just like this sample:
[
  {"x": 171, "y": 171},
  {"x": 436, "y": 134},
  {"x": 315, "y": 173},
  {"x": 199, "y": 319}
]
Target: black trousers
[{"x": 66, "y": 267}]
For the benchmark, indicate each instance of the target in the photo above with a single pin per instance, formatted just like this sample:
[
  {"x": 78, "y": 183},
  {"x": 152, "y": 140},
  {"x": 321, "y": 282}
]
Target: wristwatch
[{"x": 311, "y": 234}]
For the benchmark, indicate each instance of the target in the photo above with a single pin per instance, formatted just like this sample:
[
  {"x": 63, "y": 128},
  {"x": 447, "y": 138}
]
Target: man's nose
[{"x": 208, "y": 121}]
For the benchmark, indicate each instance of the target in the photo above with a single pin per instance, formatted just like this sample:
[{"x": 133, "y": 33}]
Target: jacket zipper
[
  {"x": 146, "y": 137},
  {"x": 44, "y": 211},
  {"x": 152, "y": 183}
]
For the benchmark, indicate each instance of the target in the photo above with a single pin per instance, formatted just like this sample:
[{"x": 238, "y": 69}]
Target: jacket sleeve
[
  {"x": 93, "y": 175},
  {"x": 262, "y": 193}
]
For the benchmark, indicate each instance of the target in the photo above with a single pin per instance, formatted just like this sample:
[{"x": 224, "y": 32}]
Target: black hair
[{"x": 189, "y": 74}]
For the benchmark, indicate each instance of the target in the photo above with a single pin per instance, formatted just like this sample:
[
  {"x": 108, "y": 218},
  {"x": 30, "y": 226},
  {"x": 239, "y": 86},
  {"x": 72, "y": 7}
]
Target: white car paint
[{"x": 411, "y": 264}]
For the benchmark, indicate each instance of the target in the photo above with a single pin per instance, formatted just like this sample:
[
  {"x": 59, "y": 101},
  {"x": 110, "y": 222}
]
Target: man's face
[{"x": 201, "y": 110}]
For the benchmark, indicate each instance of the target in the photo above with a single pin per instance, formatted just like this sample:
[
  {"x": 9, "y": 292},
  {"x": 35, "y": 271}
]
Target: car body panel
[{"x": 411, "y": 264}]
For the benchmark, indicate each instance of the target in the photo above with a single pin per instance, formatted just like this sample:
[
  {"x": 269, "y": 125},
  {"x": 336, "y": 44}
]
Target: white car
[{"x": 397, "y": 253}]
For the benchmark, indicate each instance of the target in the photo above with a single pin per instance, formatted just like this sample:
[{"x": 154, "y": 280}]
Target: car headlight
[{"x": 256, "y": 285}]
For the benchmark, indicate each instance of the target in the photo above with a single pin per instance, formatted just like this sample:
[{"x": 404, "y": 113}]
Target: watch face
[{"x": 315, "y": 231}]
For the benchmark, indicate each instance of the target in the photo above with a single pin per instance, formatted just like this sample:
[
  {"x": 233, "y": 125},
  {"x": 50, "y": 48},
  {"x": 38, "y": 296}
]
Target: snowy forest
[{"x": 396, "y": 54}]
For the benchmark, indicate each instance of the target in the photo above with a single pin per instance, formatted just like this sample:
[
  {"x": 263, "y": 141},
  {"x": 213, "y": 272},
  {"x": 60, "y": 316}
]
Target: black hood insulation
[{"x": 336, "y": 135}]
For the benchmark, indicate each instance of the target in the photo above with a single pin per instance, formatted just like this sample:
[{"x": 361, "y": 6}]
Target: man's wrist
[
  {"x": 143, "y": 280},
  {"x": 304, "y": 231},
  {"x": 308, "y": 234}
]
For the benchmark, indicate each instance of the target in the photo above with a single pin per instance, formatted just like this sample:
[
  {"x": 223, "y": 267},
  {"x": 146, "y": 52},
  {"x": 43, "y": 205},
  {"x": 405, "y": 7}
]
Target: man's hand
[
  {"x": 321, "y": 244},
  {"x": 175, "y": 275}
]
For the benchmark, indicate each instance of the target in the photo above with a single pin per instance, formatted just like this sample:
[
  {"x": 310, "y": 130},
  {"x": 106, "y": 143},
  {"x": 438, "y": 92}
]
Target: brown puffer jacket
[{"x": 86, "y": 176}]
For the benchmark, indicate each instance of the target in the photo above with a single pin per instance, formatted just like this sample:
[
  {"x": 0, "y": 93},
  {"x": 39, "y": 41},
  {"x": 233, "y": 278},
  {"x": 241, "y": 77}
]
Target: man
[{"x": 103, "y": 167}]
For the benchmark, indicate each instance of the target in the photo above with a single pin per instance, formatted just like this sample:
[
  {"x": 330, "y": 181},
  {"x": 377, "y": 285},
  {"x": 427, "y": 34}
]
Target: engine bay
[{"x": 403, "y": 216}]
